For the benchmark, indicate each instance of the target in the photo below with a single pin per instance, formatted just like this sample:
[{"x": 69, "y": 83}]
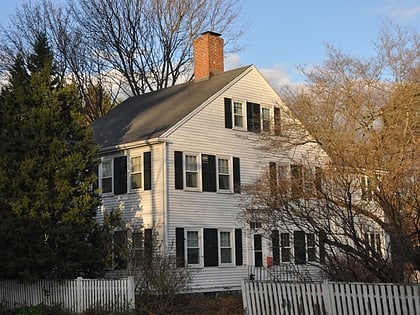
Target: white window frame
[
  {"x": 200, "y": 247},
  {"x": 312, "y": 247},
  {"x": 286, "y": 248},
  {"x": 242, "y": 115},
  {"x": 141, "y": 171},
  {"x": 270, "y": 119},
  {"x": 197, "y": 171},
  {"x": 230, "y": 174},
  {"x": 111, "y": 162},
  {"x": 231, "y": 247}
]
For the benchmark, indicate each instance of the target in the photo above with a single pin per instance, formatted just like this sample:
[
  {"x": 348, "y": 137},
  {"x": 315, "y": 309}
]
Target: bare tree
[
  {"x": 114, "y": 49},
  {"x": 364, "y": 203}
]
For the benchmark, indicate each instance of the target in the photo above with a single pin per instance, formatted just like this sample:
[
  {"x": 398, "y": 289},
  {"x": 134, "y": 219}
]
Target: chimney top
[{"x": 208, "y": 55}]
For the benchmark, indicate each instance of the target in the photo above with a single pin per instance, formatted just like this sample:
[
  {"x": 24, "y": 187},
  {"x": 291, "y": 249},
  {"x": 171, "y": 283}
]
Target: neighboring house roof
[{"x": 149, "y": 115}]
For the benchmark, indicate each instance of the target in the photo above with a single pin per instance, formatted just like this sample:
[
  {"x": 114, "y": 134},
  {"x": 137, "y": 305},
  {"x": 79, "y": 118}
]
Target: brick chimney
[{"x": 208, "y": 55}]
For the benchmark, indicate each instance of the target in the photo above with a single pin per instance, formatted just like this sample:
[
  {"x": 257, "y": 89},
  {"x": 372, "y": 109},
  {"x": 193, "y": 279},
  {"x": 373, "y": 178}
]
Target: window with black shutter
[
  {"x": 238, "y": 247},
  {"x": 258, "y": 257},
  {"x": 228, "y": 113},
  {"x": 299, "y": 247},
  {"x": 236, "y": 175},
  {"x": 275, "y": 239},
  {"x": 253, "y": 117},
  {"x": 208, "y": 169},
  {"x": 211, "y": 252},
  {"x": 120, "y": 175},
  {"x": 179, "y": 172},
  {"x": 180, "y": 247},
  {"x": 147, "y": 160},
  {"x": 277, "y": 121}
]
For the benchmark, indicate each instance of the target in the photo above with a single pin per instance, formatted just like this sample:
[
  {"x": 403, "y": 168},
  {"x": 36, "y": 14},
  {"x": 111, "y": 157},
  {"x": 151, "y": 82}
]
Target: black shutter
[
  {"x": 148, "y": 245},
  {"x": 208, "y": 169},
  {"x": 300, "y": 247},
  {"x": 258, "y": 250},
  {"x": 276, "y": 247},
  {"x": 238, "y": 247},
  {"x": 120, "y": 175},
  {"x": 322, "y": 239},
  {"x": 253, "y": 117},
  {"x": 228, "y": 113},
  {"x": 95, "y": 184},
  {"x": 211, "y": 251},
  {"x": 236, "y": 175},
  {"x": 147, "y": 166},
  {"x": 273, "y": 177},
  {"x": 180, "y": 247},
  {"x": 277, "y": 121},
  {"x": 179, "y": 173}
]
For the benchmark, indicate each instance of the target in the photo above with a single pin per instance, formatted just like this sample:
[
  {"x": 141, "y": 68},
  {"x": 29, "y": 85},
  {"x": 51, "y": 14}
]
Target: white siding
[
  {"x": 205, "y": 133},
  {"x": 140, "y": 206}
]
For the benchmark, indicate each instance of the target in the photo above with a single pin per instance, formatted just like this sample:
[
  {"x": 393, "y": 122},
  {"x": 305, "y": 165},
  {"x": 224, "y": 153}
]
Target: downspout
[{"x": 165, "y": 196}]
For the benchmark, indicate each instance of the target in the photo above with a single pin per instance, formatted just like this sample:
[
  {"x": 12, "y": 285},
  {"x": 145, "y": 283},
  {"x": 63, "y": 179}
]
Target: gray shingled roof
[{"x": 149, "y": 115}]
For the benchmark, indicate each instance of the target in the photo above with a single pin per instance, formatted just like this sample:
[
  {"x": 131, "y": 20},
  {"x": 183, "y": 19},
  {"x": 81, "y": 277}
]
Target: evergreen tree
[{"x": 47, "y": 171}]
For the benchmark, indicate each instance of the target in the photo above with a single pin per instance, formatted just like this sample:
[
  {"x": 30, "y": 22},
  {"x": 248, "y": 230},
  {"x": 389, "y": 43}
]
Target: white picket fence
[
  {"x": 329, "y": 298},
  {"x": 74, "y": 295}
]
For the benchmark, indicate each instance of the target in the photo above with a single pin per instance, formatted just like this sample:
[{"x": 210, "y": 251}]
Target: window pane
[
  {"x": 223, "y": 169},
  {"x": 285, "y": 254},
  {"x": 191, "y": 163},
  {"x": 136, "y": 164},
  {"x": 310, "y": 239},
  {"x": 106, "y": 169},
  {"x": 106, "y": 185},
  {"x": 191, "y": 179},
  {"x": 223, "y": 166},
  {"x": 285, "y": 240},
  {"x": 266, "y": 119},
  {"x": 136, "y": 180},
  {"x": 224, "y": 182},
  {"x": 192, "y": 239},
  {"x": 226, "y": 257},
  {"x": 193, "y": 256},
  {"x": 225, "y": 239},
  {"x": 238, "y": 114}
]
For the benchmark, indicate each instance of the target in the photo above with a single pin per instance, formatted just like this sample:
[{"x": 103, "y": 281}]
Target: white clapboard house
[{"x": 176, "y": 159}]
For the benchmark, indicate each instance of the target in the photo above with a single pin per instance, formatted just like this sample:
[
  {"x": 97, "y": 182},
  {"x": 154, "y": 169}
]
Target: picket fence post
[
  {"x": 131, "y": 294},
  {"x": 79, "y": 294},
  {"x": 327, "y": 293}
]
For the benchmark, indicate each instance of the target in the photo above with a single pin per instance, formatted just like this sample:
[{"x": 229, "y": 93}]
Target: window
[
  {"x": 373, "y": 242},
  {"x": 304, "y": 246},
  {"x": 285, "y": 247},
  {"x": 225, "y": 245},
  {"x": 223, "y": 174},
  {"x": 193, "y": 247},
  {"x": 297, "y": 180},
  {"x": 106, "y": 176},
  {"x": 208, "y": 174},
  {"x": 310, "y": 245},
  {"x": 114, "y": 173},
  {"x": 265, "y": 120},
  {"x": 135, "y": 172},
  {"x": 366, "y": 186},
  {"x": 191, "y": 171},
  {"x": 238, "y": 115},
  {"x": 258, "y": 254},
  {"x": 209, "y": 247}
]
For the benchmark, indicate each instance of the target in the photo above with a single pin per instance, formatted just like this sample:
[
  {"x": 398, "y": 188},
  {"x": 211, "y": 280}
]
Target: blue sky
[{"x": 283, "y": 34}]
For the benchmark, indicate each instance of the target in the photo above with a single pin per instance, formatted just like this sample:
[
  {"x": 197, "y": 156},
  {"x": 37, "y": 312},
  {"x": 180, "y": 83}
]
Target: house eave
[{"x": 131, "y": 145}]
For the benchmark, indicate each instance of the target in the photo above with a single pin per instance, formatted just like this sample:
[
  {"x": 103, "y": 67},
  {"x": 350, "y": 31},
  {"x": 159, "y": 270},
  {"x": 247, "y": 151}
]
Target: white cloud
[
  {"x": 402, "y": 11},
  {"x": 232, "y": 61},
  {"x": 277, "y": 76}
]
